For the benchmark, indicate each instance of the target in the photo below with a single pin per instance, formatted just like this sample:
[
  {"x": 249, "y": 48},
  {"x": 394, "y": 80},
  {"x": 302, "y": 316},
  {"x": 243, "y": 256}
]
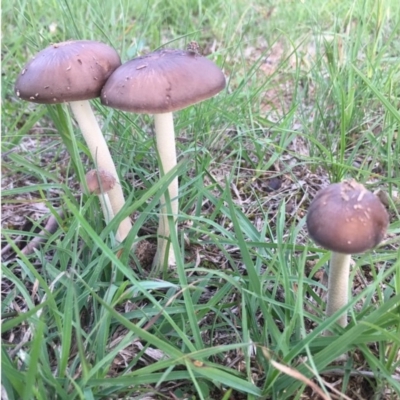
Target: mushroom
[
  {"x": 100, "y": 183},
  {"x": 345, "y": 218},
  {"x": 75, "y": 72},
  {"x": 159, "y": 83}
]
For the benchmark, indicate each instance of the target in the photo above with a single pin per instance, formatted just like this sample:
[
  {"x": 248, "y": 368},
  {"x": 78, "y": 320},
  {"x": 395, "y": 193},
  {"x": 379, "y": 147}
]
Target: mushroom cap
[
  {"x": 347, "y": 218},
  {"x": 67, "y": 71},
  {"x": 99, "y": 181},
  {"x": 163, "y": 81}
]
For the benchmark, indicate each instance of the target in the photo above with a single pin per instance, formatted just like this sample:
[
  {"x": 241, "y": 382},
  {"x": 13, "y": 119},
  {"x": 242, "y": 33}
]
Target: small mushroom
[
  {"x": 160, "y": 83},
  {"x": 75, "y": 72},
  {"x": 100, "y": 183},
  {"x": 345, "y": 218}
]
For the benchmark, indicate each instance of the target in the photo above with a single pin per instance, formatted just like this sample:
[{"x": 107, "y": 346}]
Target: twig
[{"x": 50, "y": 227}]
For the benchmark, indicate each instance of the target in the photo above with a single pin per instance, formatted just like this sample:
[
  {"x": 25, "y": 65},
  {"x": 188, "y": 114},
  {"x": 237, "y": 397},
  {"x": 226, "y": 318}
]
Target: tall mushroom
[
  {"x": 345, "y": 218},
  {"x": 160, "y": 83},
  {"x": 75, "y": 72}
]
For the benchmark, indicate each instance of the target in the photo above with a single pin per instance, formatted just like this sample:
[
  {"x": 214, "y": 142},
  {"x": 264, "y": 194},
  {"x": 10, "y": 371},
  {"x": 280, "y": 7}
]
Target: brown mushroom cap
[
  {"x": 67, "y": 71},
  {"x": 347, "y": 218},
  {"x": 163, "y": 81},
  {"x": 99, "y": 181}
]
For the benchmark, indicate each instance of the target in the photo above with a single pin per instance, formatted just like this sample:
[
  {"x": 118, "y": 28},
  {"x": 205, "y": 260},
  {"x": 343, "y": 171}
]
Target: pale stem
[
  {"x": 101, "y": 155},
  {"x": 338, "y": 285},
  {"x": 106, "y": 207},
  {"x": 165, "y": 140}
]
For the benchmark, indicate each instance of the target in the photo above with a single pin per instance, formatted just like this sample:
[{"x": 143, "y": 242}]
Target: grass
[{"x": 312, "y": 97}]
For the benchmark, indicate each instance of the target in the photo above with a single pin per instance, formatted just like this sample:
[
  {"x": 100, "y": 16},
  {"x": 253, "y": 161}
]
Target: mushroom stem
[
  {"x": 106, "y": 206},
  {"x": 338, "y": 286},
  {"x": 165, "y": 140},
  {"x": 101, "y": 155}
]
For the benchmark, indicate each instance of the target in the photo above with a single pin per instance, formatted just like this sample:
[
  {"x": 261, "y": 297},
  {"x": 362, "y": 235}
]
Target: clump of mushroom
[
  {"x": 75, "y": 72},
  {"x": 160, "y": 83},
  {"x": 345, "y": 218}
]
